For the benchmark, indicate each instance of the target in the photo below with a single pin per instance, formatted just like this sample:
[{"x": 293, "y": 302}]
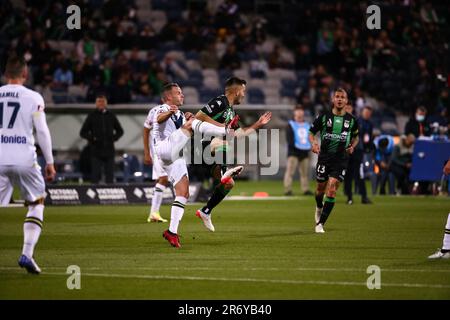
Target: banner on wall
[{"x": 113, "y": 194}]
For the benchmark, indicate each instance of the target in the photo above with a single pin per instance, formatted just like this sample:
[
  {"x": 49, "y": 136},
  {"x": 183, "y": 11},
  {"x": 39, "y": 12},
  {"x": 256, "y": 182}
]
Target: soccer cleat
[
  {"x": 319, "y": 228},
  {"x": 318, "y": 214},
  {"x": 206, "y": 220},
  {"x": 230, "y": 174},
  {"x": 440, "y": 255},
  {"x": 173, "y": 239},
  {"x": 155, "y": 217},
  {"x": 29, "y": 264}
]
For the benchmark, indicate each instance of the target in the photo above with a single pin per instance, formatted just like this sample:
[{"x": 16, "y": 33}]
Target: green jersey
[{"x": 336, "y": 133}]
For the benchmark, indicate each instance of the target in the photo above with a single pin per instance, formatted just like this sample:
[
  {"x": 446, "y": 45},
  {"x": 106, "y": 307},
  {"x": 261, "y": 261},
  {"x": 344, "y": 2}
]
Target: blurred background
[{"x": 293, "y": 54}]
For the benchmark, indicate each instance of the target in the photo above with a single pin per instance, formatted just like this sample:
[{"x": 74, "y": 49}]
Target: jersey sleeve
[
  {"x": 355, "y": 129},
  {"x": 148, "y": 123},
  {"x": 213, "y": 108},
  {"x": 316, "y": 126},
  {"x": 39, "y": 102}
]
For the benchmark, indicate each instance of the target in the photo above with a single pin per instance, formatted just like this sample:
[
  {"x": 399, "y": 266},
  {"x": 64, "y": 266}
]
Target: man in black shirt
[
  {"x": 219, "y": 111},
  {"x": 101, "y": 129},
  {"x": 339, "y": 137}
]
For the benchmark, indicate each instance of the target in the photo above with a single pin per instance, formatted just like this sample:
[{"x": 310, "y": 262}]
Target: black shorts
[{"x": 335, "y": 168}]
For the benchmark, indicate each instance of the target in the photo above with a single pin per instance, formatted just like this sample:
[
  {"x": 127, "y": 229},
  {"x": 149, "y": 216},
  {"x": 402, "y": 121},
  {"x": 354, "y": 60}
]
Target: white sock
[
  {"x": 157, "y": 197},
  {"x": 32, "y": 229},
  {"x": 446, "y": 242},
  {"x": 177, "y": 213},
  {"x": 208, "y": 128}
]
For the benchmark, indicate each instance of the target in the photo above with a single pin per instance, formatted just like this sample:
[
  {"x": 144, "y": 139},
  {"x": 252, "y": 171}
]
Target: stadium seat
[{"x": 255, "y": 96}]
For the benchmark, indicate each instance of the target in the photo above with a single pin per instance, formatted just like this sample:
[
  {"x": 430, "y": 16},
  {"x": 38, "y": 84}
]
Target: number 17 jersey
[{"x": 18, "y": 106}]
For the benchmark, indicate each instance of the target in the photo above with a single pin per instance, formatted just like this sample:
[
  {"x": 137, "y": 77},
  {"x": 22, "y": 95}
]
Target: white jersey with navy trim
[
  {"x": 18, "y": 106},
  {"x": 163, "y": 130}
]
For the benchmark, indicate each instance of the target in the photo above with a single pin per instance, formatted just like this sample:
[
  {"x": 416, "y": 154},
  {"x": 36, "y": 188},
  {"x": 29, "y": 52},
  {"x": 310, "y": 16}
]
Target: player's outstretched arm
[
  {"x": 205, "y": 118},
  {"x": 262, "y": 121}
]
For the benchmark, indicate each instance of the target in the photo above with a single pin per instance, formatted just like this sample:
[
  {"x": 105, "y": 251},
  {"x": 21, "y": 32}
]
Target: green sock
[{"x": 327, "y": 207}]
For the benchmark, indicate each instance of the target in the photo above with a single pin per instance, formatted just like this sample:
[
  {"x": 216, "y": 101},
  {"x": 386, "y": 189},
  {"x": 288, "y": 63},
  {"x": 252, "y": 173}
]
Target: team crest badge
[
  {"x": 346, "y": 124},
  {"x": 329, "y": 123}
]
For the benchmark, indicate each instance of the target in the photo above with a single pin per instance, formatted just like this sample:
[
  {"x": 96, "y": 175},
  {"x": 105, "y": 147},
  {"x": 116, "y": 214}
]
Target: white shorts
[
  {"x": 157, "y": 169},
  {"x": 168, "y": 150},
  {"x": 176, "y": 170},
  {"x": 28, "y": 179}
]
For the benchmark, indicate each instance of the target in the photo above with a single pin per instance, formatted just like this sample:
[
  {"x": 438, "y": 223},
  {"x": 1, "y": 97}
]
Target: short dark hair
[
  {"x": 168, "y": 87},
  {"x": 101, "y": 95},
  {"x": 421, "y": 109},
  {"x": 234, "y": 80},
  {"x": 340, "y": 89},
  {"x": 14, "y": 66}
]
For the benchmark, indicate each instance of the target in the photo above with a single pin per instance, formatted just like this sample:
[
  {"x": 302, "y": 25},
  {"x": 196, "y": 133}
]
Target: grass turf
[{"x": 260, "y": 250}]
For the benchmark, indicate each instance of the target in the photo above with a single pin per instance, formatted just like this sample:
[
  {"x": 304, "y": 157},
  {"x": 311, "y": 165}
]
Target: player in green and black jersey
[
  {"x": 219, "y": 111},
  {"x": 339, "y": 137}
]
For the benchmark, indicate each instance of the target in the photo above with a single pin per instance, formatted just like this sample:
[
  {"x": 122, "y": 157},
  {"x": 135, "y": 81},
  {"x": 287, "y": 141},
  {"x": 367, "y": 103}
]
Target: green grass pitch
[{"x": 261, "y": 250}]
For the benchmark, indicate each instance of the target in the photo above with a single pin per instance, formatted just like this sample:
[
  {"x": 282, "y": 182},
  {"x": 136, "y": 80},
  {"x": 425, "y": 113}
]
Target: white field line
[
  {"x": 246, "y": 269},
  {"x": 256, "y": 280}
]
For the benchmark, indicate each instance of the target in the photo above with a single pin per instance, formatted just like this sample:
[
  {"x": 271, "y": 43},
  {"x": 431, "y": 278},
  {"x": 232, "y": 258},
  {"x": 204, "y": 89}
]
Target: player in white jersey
[
  {"x": 172, "y": 129},
  {"x": 21, "y": 109},
  {"x": 158, "y": 173}
]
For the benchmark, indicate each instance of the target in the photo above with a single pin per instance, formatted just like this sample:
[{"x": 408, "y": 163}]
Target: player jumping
[{"x": 219, "y": 111}]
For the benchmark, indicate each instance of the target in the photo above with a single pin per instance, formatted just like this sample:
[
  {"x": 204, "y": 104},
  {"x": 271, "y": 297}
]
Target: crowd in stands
[{"x": 298, "y": 51}]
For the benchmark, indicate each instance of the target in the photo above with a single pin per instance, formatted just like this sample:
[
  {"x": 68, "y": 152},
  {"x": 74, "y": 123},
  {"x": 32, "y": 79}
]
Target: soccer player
[
  {"x": 219, "y": 111},
  {"x": 21, "y": 109},
  {"x": 158, "y": 173},
  {"x": 339, "y": 137},
  {"x": 444, "y": 252},
  {"x": 172, "y": 130}
]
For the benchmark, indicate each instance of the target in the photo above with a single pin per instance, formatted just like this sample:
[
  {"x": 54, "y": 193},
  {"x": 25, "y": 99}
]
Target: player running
[
  {"x": 219, "y": 111},
  {"x": 172, "y": 130},
  {"x": 21, "y": 109},
  {"x": 339, "y": 137}
]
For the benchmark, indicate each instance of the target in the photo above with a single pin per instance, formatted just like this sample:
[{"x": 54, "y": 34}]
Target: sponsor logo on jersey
[
  {"x": 13, "y": 139},
  {"x": 336, "y": 137}
]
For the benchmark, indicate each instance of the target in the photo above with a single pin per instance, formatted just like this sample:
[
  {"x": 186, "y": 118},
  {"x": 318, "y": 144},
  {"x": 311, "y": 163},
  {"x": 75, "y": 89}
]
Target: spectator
[
  {"x": 101, "y": 129},
  {"x": 355, "y": 169},
  {"x": 418, "y": 126},
  {"x": 299, "y": 149},
  {"x": 208, "y": 57},
  {"x": 401, "y": 162},
  {"x": 384, "y": 146},
  {"x": 120, "y": 92},
  {"x": 230, "y": 60},
  {"x": 86, "y": 47},
  {"x": 63, "y": 76}
]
